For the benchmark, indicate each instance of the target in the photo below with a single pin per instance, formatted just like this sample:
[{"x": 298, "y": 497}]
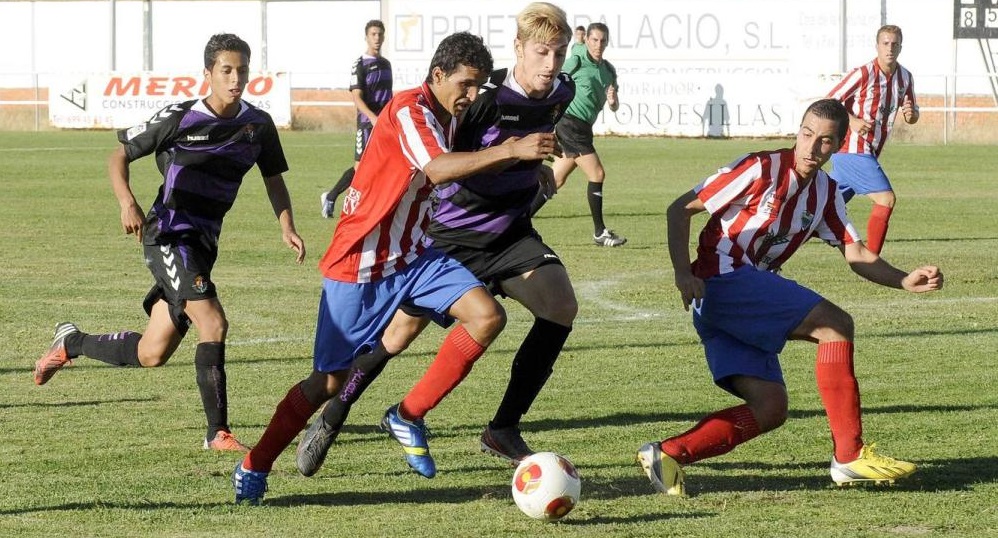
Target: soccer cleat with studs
[
  {"x": 55, "y": 358},
  {"x": 412, "y": 437},
  {"x": 248, "y": 485},
  {"x": 664, "y": 473},
  {"x": 609, "y": 239},
  {"x": 225, "y": 442},
  {"x": 505, "y": 443},
  {"x": 314, "y": 446},
  {"x": 328, "y": 206},
  {"x": 870, "y": 468}
]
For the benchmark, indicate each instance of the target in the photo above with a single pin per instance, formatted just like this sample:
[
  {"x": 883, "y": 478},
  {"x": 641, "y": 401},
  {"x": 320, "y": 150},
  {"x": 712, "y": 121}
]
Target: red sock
[
  {"x": 290, "y": 418},
  {"x": 716, "y": 434},
  {"x": 453, "y": 362},
  {"x": 876, "y": 227},
  {"x": 840, "y": 394}
]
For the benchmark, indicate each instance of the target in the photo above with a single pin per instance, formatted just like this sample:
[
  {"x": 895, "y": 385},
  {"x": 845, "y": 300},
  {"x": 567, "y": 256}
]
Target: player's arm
[
  {"x": 678, "y": 218},
  {"x": 456, "y": 165},
  {"x": 612, "y": 99},
  {"x": 280, "y": 200},
  {"x": 872, "y": 267},
  {"x": 131, "y": 213},
  {"x": 358, "y": 101}
]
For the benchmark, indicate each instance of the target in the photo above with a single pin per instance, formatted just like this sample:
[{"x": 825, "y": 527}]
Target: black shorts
[
  {"x": 363, "y": 137},
  {"x": 575, "y": 136},
  {"x": 182, "y": 270},
  {"x": 508, "y": 260}
]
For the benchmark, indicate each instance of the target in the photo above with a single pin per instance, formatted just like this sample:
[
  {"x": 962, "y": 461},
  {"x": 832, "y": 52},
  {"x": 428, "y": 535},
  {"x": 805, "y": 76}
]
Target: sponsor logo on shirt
[
  {"x": 510, "y": 117},
  {"x": 351, "y": 201},
  {"x": 196, "y": 138},
  {"x": 135, "y": 131}
]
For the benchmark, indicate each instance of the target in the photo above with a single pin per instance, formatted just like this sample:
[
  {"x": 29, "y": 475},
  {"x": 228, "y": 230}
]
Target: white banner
[
  {"x": 685, "y": 67},
  {"x": 120, "y": 100}
]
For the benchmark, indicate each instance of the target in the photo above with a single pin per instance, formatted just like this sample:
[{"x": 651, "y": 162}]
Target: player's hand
[
  {"x": 132, "y": 220},
  {"x": 293, "y": 240},
  {"x": 691, "y": 289},
  {"x": 908, "y": 110},
  {"x": 545, "y": 176},
  {"x": 923, "y": 279},
  {"x": 533, "y": 146},
  {"x": 859, "y": 125}
]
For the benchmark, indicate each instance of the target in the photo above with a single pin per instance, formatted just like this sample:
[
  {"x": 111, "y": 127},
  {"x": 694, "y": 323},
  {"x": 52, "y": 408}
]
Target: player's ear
[{"x": 518, "y": 48}]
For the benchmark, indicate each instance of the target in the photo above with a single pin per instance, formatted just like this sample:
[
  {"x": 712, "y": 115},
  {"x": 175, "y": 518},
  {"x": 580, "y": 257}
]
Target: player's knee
[
  {"x": 770, "y": 413},
  {"x": 153, "y": 356},
  {"x": 598, "y": 175},
  {"x": 489, "y": 321},
  {"x": 831, "y": 323},
  {"x": 213, "y": 327}
]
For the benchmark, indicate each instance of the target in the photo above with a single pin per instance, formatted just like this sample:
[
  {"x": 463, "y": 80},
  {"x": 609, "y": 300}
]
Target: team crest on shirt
[
  {"x": 555, "y": 113},
  {"x": 200, "y": 284},
  {"x": 806, "y": 218},
  {"x": 249, "y": 132}
]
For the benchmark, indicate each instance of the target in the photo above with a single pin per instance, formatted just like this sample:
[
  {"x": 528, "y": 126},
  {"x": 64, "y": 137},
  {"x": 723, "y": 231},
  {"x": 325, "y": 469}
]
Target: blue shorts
[
  {"x": 744, "y": 321},
  {"x": 352, "y": 316},
  {"x": 858, "y": 173}
]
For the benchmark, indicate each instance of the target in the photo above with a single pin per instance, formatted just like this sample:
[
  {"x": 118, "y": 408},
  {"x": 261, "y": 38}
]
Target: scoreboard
[{"x": 975, "y": 19}]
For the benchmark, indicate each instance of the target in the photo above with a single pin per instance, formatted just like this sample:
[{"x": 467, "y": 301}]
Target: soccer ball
[{"x": 546, "y": 486}]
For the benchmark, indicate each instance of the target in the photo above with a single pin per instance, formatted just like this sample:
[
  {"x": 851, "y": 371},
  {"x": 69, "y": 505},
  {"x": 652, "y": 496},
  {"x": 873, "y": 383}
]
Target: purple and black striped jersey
[
  {"x": 372, "y": 75},
  {"x": 203, "y": 159},
  {"x": 482, "y": 209}
]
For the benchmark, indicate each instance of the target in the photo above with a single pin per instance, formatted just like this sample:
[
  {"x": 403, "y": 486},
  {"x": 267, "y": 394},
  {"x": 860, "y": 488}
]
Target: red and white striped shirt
[
  {"x": 386, "y": 209},
  {"x": 761, "y": 212},
  {"x": 872, "y": 95}
]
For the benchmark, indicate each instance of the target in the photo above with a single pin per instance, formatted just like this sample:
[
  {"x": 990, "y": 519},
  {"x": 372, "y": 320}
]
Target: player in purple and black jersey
[
  {"x": 483, "y": 221},
  {"x": 203, "y": 149},
  {"x": 371, "y": 88}
]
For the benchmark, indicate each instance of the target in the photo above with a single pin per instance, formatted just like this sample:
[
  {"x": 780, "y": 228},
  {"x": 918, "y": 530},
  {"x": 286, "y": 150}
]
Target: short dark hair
[
  {"x": 461, "y": 48},
  {"x": 374, "y": 23},
  {"x": 598, "y": 26},
  {"x": 580, "y": 27},
  {"x": 831, "y": 109},
  {"x": 219, "y": 43}
]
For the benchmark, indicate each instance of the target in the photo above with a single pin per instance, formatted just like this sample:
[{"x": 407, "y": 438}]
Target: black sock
[
  {"x": 118, "y": 349},
  {"x": 532, "y": 366},
  {"x": 594, "y": 192},
  {"x": 538, "y": 202},
  {"x": 341, "y": 185},
  {"x": 363, "y": 372},
  {"x": 209, "y": 363}
]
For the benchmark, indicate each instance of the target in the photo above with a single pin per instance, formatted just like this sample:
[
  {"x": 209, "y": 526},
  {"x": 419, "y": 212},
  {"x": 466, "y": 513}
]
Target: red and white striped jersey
[
  {"x": 386, "y": 209},
  {"x": 761, "y": 212},
  {"x": 870, "y": 94}
]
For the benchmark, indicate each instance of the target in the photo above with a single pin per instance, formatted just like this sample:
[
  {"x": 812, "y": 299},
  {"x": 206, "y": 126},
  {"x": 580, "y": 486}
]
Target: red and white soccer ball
[{"x": 546, "y": 486}]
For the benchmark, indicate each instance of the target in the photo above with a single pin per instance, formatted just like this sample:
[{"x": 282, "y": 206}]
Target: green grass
[{"x": 101, "y": 451}]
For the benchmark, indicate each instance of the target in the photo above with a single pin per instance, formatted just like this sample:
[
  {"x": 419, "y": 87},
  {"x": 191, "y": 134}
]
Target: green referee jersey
[{"x": 591, "y": 82}]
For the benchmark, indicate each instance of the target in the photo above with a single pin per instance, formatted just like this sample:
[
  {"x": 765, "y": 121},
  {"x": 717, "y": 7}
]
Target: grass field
[{"x": 102, "y": 451}]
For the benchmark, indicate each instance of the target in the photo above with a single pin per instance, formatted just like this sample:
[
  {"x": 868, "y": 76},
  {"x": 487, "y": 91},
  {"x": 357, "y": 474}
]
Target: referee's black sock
[
  {"x": 532, "y": 366},
  {"x": 363, "y": 372},
  {"x": 118, "y": 349},
  {"x": 594, "y": 192}
]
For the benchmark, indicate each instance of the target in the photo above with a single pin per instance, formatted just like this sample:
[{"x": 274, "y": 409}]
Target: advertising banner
[{"x": 120, "y": 100}]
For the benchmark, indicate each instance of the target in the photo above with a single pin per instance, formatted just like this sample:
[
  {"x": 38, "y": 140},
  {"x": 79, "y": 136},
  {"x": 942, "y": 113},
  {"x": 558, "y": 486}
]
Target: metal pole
[
  {"x": 114, "y": 35},
  {"x": 263, "y": 35},
  {"x": 843, "y": 37},
  {"x": 147, "y": 35},
  {"x": 883, "y": 12}
]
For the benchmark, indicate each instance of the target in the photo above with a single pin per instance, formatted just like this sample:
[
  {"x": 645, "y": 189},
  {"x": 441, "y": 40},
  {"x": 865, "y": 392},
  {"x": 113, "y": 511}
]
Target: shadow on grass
[{"x": 83, "y": 403}]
